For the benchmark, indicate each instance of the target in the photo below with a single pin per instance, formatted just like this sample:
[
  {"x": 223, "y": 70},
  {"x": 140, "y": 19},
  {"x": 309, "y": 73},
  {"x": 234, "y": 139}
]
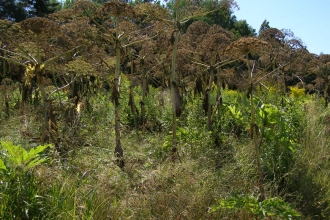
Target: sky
[{"x": 309, "y": 20}]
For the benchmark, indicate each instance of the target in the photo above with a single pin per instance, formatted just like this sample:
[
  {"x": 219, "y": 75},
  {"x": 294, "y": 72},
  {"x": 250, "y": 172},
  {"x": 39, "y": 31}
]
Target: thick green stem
[
  {"x": 219, "y": 99},
  {"x": 38, "y": 72},
  {"x": 209, "y": 106}
]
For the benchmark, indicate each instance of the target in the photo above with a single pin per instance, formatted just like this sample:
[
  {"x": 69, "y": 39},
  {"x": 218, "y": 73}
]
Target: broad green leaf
[
  {"x": 236, "y": 113},
  {"x": 35, "y": 151},
  {"x": 17, "y": 153},
  {"x": 34, "y": 163},
  {"x": 20, "y": 157}
]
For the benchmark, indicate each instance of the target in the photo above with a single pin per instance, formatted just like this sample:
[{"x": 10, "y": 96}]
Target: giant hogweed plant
[
  {"x": 211, "y": 43},
  {"x": 276, "y": 129},
  {"x": 321, "y": 69},
  {"x": 182, "y": 11},
  {"x": 119, "y": 30},
  {"x": 261, "y": 129},
  {"x": 35, "y": 65}
]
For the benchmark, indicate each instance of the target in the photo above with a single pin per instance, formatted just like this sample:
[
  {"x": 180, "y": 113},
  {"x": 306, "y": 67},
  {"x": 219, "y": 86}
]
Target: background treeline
[{"x": 155, "y": 112}]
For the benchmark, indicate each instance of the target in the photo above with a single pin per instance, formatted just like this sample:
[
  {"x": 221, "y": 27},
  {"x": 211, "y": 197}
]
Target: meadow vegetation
[
  {"x": 213, "y": 175},
  {"x": 135, "y": 111}
]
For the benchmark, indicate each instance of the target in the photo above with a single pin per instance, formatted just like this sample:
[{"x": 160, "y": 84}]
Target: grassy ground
[{"x": 85, "y": 183}]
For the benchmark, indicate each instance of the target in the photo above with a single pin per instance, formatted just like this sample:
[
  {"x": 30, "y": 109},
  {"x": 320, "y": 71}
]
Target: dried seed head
[
  {"x": 324, "y": 58},
  {"x": 78, "y": 10},
  {"x": 152, "y": 11},
  {"x": 246, "y": 45},
  {"x": 215, "y": 43},
  {"x": 216, "y": 29},
  {"x": 117, "y": 9},
  {"x": 82, "y": 5},
  {"x": 40, "y": 25},
  {"x": 198, "y": 28},
  {"x": 271, "y": 35},
  {"x": 79, "y": 67}
]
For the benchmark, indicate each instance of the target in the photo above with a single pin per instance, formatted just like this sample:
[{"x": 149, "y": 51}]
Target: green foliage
[
  {"x": 18, "y": 157},
  {"x": 296, "y": 92},
  {"x": 237, "y": 114},
  {"x": 2, "y": 166},
  {"x": 22, "y": 9},
  {"x": 243, "y": 29},
  {"x": 273, "y": 207},
  {"x": 214, "y": 160},
  {"x": 264, "y": 26},
  {"x": 19, "y": 188},
  {"x": 279, "y": 130}
]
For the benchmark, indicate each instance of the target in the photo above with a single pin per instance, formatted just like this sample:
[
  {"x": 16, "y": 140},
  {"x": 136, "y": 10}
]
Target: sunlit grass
[{"x": 87, "y": 184}]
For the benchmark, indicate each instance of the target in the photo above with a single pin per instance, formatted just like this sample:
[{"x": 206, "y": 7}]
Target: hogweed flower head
[{"x": 40, "y": 26}]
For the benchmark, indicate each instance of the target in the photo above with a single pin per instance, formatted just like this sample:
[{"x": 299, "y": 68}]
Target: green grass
[{"x": 87, "y": 184}]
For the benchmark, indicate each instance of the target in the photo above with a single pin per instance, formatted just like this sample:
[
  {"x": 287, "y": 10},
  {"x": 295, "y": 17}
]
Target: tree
[
  {"x": 223, "y": 17},
  {"x": 264, "y": 26},
  {"x": 243, "y": 29},
  {"x": 321, "y": 69},
  {"x": 21, "y": 9},
  {"x": 13, "y": 10},
  {"x": 41, "y": 8}
]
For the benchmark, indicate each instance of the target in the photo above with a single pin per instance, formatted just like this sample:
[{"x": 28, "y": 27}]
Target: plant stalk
[
  {"x": 173, "y": 83},
  {"x": 119, "y": 152}
]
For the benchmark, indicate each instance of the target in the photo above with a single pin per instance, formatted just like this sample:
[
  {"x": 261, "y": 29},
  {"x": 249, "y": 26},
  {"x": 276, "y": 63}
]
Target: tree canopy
[{"x": 18, "y": 10}]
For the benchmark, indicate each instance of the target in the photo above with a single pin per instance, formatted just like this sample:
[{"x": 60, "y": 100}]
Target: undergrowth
[{"x": 213, "y": 175}]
